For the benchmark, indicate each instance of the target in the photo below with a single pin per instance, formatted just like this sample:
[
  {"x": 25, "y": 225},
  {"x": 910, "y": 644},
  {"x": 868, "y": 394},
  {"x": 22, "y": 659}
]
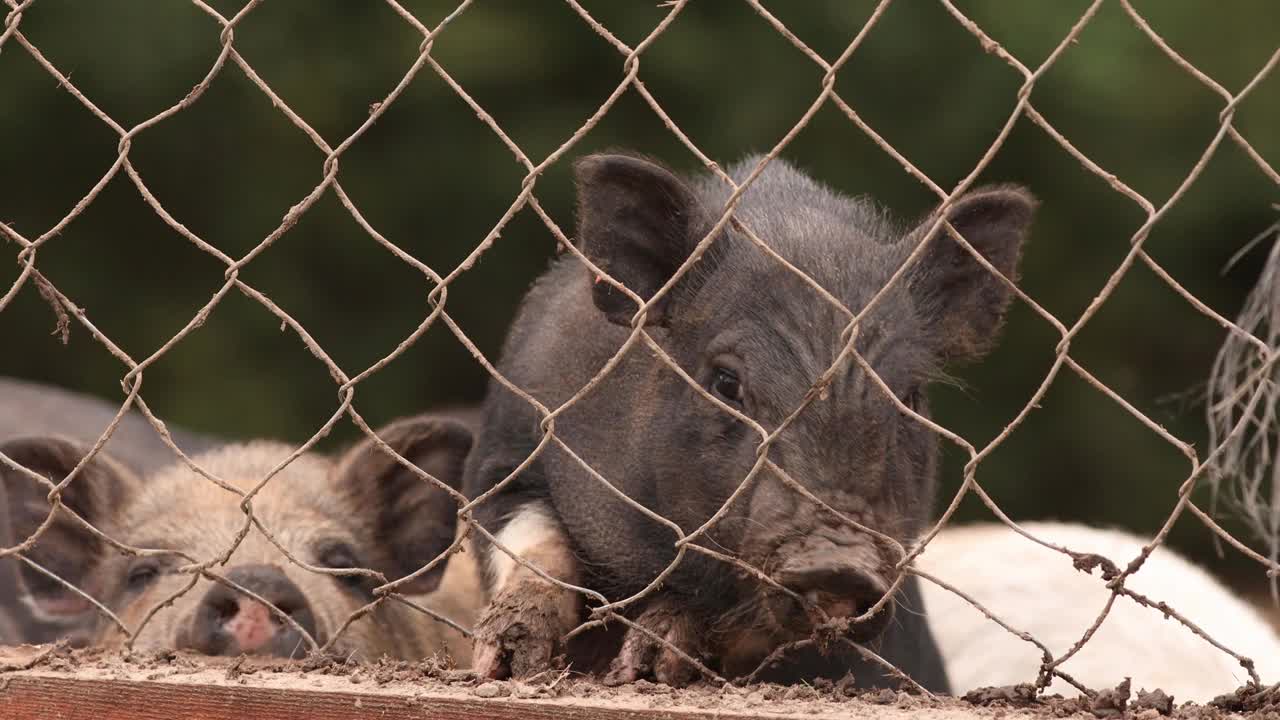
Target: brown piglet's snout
[{"x": 229, "y": 622}]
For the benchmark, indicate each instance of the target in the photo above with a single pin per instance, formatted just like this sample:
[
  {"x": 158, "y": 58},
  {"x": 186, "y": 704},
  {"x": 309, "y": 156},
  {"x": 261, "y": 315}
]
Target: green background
[{"x": 434, "y": 179}]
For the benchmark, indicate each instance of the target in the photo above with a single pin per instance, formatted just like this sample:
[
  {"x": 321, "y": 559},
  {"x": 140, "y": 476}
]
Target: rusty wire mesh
[{"x": 612, "y": 609}]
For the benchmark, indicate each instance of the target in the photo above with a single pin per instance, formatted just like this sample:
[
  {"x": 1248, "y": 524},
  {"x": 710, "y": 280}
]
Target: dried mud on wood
[{"x": 103, "y": 685}]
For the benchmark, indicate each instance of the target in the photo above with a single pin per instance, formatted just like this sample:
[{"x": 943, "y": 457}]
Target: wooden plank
[
  {"x": 68, "y": 698},
  {"x": 109, "y": 688}
]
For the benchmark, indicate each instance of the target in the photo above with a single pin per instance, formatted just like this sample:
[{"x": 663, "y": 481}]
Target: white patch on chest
[{"x": 530, "y": 526}]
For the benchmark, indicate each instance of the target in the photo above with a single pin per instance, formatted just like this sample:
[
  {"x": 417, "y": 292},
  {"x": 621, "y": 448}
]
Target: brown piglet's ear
[
  {"x": 412, "y": 518},
  {"x": 64, "y": 547}
]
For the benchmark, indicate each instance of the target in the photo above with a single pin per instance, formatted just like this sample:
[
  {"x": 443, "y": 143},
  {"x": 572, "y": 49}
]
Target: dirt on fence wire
[{"x": 418, "y": 685}]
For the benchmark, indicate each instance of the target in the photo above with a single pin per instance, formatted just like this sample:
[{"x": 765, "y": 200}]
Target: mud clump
[
  {"x": 492, "y": 689},
  {"x": 25, "y": 657},
  {"x": 436, "y": 667},
  {"x": 1157, "y": 700},
  {"x": 881, "y": 697},
  {"x": 644, "y": 687},
  {"x": 1022, "y": 695},
  {"x": 1111, "y": 703},
  {"x": 1250, "y": 698},
  {"x": 237, "y": 668}
]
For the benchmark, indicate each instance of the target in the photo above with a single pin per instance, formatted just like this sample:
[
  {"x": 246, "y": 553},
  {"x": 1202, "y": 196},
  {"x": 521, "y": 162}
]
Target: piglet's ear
[
  {"x": 413, "y": 520},
  {"x": 64, "y": 547},
  {"x": 635, "y": 221},
  {"x": 963, "y": 302}
]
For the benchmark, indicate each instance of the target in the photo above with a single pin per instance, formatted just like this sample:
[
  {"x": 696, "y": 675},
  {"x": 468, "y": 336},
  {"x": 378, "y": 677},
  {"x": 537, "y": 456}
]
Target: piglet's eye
[
  {"x": 338, "y": 556},
  {"x": 142, "y": 575},
  {"x": 342, "y": 557},
  {"x": 726, "y": 386}
]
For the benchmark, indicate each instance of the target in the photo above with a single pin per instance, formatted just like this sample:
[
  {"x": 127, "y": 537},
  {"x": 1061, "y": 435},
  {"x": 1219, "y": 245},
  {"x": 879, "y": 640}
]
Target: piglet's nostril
[
  {"x": 287, "y": 607},
  {"x": 837, "y": 605},
  {"x": 840, "y": 592},
  {"x": 224, "y": 608}
]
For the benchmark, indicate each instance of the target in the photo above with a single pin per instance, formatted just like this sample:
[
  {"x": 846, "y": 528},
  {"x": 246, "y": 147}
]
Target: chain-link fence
[{"x": 266, "y": 487}]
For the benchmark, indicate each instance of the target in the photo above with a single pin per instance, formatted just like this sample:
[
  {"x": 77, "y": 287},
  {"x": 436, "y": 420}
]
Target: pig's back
[
  {"x": 1035, "y": 589},
  {"x": 29, "y": 408}
]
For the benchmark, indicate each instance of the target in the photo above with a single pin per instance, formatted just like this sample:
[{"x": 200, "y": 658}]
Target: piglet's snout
[
  {"x": 230, "y": 623},
  {"x": 251, "y": 625},
  {"x": 840, "y": 590}
]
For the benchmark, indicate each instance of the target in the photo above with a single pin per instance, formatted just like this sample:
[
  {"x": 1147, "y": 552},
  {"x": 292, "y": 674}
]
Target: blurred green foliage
[{"x": 433, "y": 179}]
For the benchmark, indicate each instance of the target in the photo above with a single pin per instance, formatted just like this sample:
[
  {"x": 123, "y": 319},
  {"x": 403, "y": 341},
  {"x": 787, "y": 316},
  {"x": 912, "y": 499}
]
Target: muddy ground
[{"x": 423, "y": 684}]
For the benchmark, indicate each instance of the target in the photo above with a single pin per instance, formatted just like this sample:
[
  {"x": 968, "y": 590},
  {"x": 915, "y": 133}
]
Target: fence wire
[{"x": 1251, "y": 391}]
